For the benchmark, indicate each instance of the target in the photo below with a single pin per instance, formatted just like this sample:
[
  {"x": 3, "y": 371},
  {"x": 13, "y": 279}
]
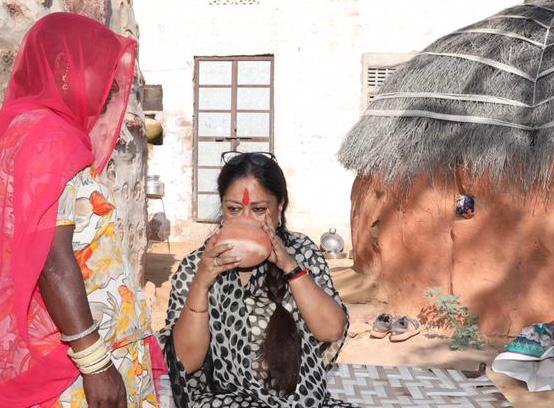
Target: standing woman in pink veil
[{"x": 74, "y": 327}]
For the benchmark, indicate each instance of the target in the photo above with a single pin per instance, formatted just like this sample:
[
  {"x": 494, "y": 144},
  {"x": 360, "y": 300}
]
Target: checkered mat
[{"x": 376, "y": 386}]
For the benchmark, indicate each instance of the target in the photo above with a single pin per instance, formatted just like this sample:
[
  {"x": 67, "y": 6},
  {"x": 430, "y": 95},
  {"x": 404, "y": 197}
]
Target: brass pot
[{"x": 154, "y": 129}]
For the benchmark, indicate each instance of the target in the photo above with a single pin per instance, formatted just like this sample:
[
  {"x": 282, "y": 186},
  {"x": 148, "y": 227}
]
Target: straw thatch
[{"x": 481, "y": 97}]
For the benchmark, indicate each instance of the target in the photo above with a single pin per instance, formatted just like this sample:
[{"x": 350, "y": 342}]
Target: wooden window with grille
[
  {"x": 233, "y": 111},
  {"x": 377, "y": 67}
]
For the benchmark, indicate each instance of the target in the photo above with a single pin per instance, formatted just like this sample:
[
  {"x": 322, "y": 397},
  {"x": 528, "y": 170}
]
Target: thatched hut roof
[{"x": 481, "y": 97}]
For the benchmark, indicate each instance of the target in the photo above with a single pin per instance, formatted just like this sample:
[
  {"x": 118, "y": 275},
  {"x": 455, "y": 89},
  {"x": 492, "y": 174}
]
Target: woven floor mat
[{"x": 376, "y": 386}]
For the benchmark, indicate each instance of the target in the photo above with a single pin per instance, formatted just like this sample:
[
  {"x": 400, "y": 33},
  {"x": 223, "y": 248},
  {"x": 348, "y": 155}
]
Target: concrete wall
[
  {"x": 128, "y": 169},
  {"x": 318, "y": 47}
]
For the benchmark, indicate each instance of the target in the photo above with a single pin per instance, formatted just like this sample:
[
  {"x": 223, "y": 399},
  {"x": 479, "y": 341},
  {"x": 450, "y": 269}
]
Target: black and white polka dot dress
[{"x": 238, "y": 317}]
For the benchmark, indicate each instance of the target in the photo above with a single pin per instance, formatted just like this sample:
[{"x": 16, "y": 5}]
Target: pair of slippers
[{"x": 399, "y": 328}]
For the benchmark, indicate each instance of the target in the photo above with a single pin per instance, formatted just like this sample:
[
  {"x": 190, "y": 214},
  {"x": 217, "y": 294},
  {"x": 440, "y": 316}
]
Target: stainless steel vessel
[
  {"x": 332, "y": 244},
  {"x": 154, "y": 187}
]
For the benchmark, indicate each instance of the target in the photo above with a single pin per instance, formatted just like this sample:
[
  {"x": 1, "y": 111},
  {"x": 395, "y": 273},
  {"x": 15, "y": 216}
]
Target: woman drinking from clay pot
[{"x": 254, "y": 319}]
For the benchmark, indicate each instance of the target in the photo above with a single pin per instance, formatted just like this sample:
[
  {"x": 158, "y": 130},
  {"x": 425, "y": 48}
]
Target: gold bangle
[
  {"x": 95, "y": 367},
  {"x": 94, "y": 362},
  {"x": 91, "y": 359},
  {"x": 101, "y": 367},
  {"x": 94, "y": 355},
  {"x": 195, "y": 310},
  {"x": 103, "y": 370},
  {"x": 97, "y": 345}
]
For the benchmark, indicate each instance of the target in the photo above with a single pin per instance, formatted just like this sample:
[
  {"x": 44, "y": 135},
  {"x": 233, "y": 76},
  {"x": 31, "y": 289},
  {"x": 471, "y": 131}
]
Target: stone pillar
[{"x": 126, "y": 172}]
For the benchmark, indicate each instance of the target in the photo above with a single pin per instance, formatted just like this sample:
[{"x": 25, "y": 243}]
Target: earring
[{"x": 279, "y": 222}]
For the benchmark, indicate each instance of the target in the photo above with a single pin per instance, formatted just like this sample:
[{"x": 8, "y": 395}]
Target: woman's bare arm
[
  {"x": 63, "y": 290},
  {"x": 191, "y": 335}
]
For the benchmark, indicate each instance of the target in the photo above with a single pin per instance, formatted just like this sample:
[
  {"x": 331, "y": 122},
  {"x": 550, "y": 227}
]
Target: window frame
[{"x": 233, "y": 138}]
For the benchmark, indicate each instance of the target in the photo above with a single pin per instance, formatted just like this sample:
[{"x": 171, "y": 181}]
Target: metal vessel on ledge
[
  {"x": 332, "y": 245},
  {"x": 154, "y": 187}
]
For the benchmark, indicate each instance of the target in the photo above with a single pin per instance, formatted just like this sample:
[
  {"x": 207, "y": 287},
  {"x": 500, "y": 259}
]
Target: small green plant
[{"x": 446, "y": 312}]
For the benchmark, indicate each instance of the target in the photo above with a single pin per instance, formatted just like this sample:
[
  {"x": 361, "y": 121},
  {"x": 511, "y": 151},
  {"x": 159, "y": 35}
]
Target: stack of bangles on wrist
[
  {"x": 95, "y": 359},
  {"x": 296, "y": 273}
]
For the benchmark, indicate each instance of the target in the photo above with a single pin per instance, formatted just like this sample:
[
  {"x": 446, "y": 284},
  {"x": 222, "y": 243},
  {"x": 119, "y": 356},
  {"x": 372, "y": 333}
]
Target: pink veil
[{"x": 54, "y": 122}]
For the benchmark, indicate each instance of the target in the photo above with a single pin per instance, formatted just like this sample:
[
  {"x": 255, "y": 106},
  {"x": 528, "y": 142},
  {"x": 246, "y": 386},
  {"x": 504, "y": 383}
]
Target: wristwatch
[{"x": 295, "y": 273}]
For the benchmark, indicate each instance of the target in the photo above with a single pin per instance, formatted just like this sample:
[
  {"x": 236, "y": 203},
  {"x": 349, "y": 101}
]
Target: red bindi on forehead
[{"x": 245, "y": 197}]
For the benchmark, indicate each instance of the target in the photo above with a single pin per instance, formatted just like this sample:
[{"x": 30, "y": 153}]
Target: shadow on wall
[{"x": 159, "y": 267}]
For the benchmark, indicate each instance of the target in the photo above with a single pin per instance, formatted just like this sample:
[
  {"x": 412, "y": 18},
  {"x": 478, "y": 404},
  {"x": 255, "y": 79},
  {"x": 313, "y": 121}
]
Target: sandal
[
  {"x": 404, "y": 328},
  {"x": 381, "y": 326}
]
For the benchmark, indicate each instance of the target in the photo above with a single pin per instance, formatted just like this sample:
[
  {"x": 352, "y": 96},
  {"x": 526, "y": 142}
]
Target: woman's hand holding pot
[{"x": 217, "y": 259}]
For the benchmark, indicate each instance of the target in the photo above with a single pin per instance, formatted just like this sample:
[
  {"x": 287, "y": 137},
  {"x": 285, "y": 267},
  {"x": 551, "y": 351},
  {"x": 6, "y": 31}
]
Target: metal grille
[
  {"x": 376, "y": 70},
  {"x": 376, "y": 77}
]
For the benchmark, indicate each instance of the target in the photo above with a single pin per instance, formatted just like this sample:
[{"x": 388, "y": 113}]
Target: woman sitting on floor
[{"x": 257, "y": 337}]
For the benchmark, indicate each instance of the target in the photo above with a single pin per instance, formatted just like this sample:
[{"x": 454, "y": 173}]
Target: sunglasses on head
[{"x": 258, "y": 158}]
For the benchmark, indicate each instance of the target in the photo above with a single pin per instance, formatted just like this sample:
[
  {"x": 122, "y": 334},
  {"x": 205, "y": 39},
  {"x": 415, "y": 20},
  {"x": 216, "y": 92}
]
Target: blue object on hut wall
[{"x": 465, "y": 206}]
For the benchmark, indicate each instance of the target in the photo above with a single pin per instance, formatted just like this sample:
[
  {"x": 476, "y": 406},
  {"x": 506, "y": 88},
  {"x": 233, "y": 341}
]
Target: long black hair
[{"x": 282, "y": 344}]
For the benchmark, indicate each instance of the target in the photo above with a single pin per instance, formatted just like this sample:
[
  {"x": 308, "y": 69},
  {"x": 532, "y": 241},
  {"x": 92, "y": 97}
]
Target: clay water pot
[{"x": 250, "y": 242}]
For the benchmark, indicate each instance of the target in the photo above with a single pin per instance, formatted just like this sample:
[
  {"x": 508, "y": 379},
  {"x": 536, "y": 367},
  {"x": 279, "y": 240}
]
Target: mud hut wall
[
  {"x": 403, "y": 248},
  {"x": 503, "y": 261},
  {"x": 499, "y": 263}
]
